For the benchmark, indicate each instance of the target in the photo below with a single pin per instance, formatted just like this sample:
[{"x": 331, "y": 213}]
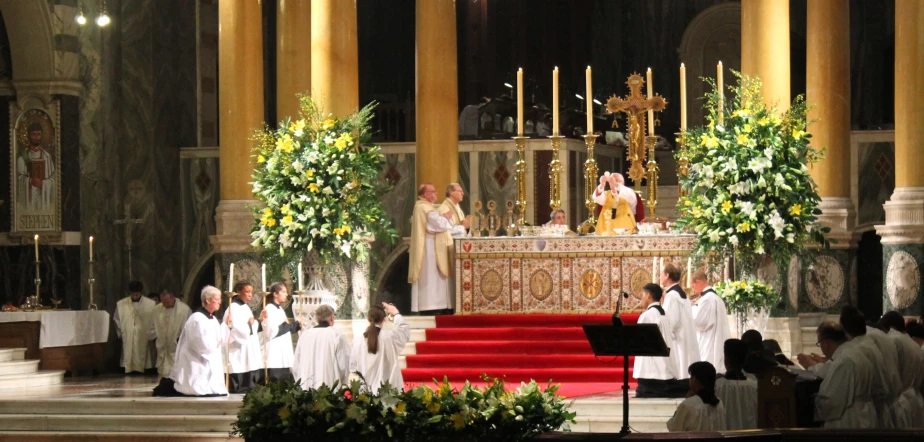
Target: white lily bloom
[
  {"x": 733, "y": 240},
  {"x": 328, "y": 191}
]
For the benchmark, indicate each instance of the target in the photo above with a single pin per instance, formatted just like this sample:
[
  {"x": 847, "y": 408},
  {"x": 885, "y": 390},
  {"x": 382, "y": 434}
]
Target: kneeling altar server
[{"x": 199, "y": 369}]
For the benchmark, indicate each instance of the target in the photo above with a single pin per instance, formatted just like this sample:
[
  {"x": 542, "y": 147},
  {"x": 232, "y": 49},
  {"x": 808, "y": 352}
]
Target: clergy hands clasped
[{"x": 467, "y": 222}]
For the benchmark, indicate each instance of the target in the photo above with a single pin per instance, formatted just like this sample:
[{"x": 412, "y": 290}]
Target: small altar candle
[
  {"x": 36, "y": 249},
  {"x": 661, "y": 267},
  {"x": 683, "y": 98},
  {"x": 650, "y": 112},
  {"x": 520, "y": 102},
  {"x": 231, "y": 278},
  {"x": 721, "y": 89},
  {"x": 263, "y": 276},
  {"x": 91, "y": 248},
  {"x": 689, "y": 271},
  {"x": 555, "y": 101},
  {"x": 654, "y": 270},
  {"x": 300, "y": 277},
  {"x": 589, "y": 99}
]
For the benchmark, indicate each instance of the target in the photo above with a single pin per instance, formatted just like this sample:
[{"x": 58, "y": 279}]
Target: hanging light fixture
[
  {"x": 81, "y": 19},
  {"x": 103, "y": 18}
]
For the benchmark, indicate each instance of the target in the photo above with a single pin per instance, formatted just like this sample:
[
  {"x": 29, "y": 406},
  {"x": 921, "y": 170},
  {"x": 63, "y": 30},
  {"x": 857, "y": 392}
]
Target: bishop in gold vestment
[{"x": 618, "y": 203}]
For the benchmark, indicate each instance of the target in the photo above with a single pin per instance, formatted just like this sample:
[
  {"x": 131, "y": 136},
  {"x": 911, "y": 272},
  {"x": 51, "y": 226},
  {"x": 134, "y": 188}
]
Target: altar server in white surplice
[
  {"x": 711, "y": 320},
  {"x": 277, "y": 335},
  {"x": 244, "y": 348},
  {"x": 737, "y": 390},
  {"x": 429, "y": 266},
  {"x": 911, "y": 364},
  {"x": 322, "y": 355},
  {"x": 375, "y": 353},
  {"x": 199, "y": 368},
  {"x": 886, "y": 381},
  {"x": 133, "y": 320},
  {"x": 656, "y": 375},
  {"x": 677, "y": 306},
  {"x": 169, "y": 317},
  {"x": 702, "y": 410},
  {"x": 844, "y": 400}
]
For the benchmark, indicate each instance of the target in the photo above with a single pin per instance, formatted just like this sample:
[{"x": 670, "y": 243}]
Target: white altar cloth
[{"x": 65, "y": 328}]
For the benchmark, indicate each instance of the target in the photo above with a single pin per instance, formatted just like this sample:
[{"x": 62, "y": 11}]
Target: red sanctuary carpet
[{"x": 516, "y": 348}]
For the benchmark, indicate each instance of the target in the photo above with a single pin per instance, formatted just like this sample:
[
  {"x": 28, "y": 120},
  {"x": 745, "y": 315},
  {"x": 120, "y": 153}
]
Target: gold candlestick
[
  {"x": 683, "y": 165},
  {"x": 555, "y": 174},
  {"x": 652, "y": 176},
  {"x": 521, "y": 183},
  {"x": 91, "y": 281},
  {"x": 590, "y": 186}
]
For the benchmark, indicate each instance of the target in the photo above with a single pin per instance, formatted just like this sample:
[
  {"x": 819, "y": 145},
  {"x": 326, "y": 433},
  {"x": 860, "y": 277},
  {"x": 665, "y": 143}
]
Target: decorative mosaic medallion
[
  {"x": 491, "y": 286},
  {"x": 824, "y": 282},
  {"x": 540, "y": 285},
  {"x": 903, "y": 279},
  {"x": 591, "y": 284},
  {"x": 795, "y": 271},
  {"x": 640, "y": 277}
]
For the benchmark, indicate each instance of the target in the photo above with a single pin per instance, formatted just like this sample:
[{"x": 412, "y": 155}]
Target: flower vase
[
  {"x": 306, "y": 301},
  {"x": 751, "y": 319}
]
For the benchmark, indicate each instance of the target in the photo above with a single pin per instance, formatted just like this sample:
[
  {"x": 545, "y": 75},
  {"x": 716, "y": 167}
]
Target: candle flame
[
  {"x": 588, "y": 67},
  {"x": 649, "y": 69},
  {"x": 521, "y": 69},
  {"x": 720, "y": 62},
  {"x": 36, "y": 237},
  {"x": 91, "y": 239},
  {"x": 681, "y": 64},
  {"x": 556, "y": 68}
]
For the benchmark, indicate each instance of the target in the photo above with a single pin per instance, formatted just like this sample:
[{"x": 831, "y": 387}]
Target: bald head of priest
[{"x": 427, "y": 191}]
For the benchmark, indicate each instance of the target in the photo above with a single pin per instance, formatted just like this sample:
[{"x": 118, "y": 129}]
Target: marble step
[
  {"x": 409, "y": 349},
  {"x": 12, "y": 354},
  {"x": 220, "y": 424},
  {"x": 655, "y": 408},
  {"x": 124, "y": 406},
  {"x": 19, "y": 367},
  {"x": 111, "y": 436},
  {"x": 36, "y": 379},
  {"x": 614, "y": 424}
]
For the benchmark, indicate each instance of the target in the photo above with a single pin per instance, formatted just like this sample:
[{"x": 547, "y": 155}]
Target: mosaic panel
[
  {"x": 591, "y": 284},
  {"x": 491, "y": 288},
  {"x": 541, "y": 285},
  {"x": 636, "y": 272}
]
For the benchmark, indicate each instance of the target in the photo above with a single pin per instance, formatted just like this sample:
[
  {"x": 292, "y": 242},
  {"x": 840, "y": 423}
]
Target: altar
[
  {"x": 564, "y": 274},
  {"x": 73, "y": 341}
]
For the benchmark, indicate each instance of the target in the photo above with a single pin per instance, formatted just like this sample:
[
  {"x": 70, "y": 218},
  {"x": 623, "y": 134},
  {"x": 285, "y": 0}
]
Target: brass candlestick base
[
  {"x": 652, "y": 176},
  {"x": 590, "y": 179},
  {"x": 555, "y": 174},
  {"x": 521, "y": 184},
  {"x": 683, "y": 165},
  {"x": 91, "y": 281}
]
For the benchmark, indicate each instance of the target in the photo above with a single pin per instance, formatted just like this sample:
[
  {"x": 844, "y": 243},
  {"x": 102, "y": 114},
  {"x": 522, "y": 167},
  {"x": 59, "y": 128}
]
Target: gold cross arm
[{"x": 635, "y": 103}]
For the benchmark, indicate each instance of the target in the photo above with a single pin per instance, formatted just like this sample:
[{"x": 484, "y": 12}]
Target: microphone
[{"x": 612, "y": 213}]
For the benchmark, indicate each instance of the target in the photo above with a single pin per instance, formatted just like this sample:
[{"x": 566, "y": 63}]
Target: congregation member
[
  {"x": 375, "y": 353},
  {"x": 199, "y": 369},
  {"x": 886, "y": 380},
  {"x": 772, "y": 346},
  {"x": 322, "y": 355},
  {"x": 133, "y": 319},
  {"x": 843, "y": 400},
  {"x": 677, "y": 306},
  {"x": 910, "y": 366},
  {"x": 701, "y": 410},
  {"x": 277, "y": 335},
  {"x": 428, "y": 254},
  {"x": 618, "y": 205},
  {"x": 711, "y": 320},
  {"x": 915, "y": 330},
  {"x": 656, "y": 376},
  {"x": 169, "y": 317},
  {"x": 245, "y": 360},
  {"x": 736, "y": 389}
]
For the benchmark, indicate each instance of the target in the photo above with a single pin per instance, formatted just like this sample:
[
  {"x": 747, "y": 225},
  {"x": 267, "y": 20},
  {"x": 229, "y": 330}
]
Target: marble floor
[{"x": 108, "y": 386}]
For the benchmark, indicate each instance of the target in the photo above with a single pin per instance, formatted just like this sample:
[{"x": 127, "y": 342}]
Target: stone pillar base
[
  {"x": 903, "y": 251},
  {"x": 839, "y": 214},
  {"x": 233, "y": 219}
]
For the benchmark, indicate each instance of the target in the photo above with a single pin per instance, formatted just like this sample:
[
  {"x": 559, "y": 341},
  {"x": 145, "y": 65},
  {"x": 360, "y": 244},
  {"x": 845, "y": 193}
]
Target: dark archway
[{"x": 869, "y": 275}]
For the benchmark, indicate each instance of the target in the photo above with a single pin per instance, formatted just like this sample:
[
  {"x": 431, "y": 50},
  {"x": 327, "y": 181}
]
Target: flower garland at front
[
  {"x": 750, "y": 192},
  {"x": 318, "y": 180}
]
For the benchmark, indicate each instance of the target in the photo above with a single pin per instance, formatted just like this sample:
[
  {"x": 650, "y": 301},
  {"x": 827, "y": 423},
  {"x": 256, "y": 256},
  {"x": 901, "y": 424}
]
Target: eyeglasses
[{"x": 818, "y": 344}]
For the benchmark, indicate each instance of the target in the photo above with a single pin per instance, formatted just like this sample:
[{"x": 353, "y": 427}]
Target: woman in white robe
[
  {"x": 701, "y": 410},
  {"x": 375, "y": 353},
  {"x": 244, "y": 349},
  {"x": 322, "y": 356},
  {"x": 199, "y": 368},
  {"x": 277, "y": 335}
]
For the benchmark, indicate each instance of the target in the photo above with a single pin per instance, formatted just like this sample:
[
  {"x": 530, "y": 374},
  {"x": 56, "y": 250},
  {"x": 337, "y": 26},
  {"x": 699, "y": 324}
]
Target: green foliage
[
  {"x": 283, "y": 412},
  {"x": 740, "y": 296},
  {"x": 750, "y": 192},
  {"x": 317, "y": 178}
]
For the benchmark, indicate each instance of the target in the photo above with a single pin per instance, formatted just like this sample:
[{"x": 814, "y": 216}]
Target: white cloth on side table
[
  {"x": 382, "y": 366},
  {"x": 65, "y": 328}
]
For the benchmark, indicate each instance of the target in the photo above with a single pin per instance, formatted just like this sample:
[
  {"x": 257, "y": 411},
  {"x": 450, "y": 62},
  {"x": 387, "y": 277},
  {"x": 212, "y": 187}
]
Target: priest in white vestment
[
  {"x": 169, "y": 317},
  {"x": 199, "y": 369},
  {"x": 277, "y": 335},
  {"x": 910, "y": 366},
  {"x": 711, "y": 320},
  {"x": 375, "y": 353},
  {"x": 322, "y": 355},
  {"x": 886, "y": 381},
  {"x": 844, "y": 400},
  {"x": 656, "y": 376},
  {"x": 701, "y": 410},
  {"x": 133, "y": 320},
  {"x": 736, "y": 389},
  {"x": 677, "y": 306},
  {"x": 429, "y": 266},
  {"x": 243, "y": 350}
]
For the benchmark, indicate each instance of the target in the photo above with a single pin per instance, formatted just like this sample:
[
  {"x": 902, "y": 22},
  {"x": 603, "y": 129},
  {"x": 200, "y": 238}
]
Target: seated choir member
[
  {"x": 277, "y": 335},
  {"x": 375, "y": 353},
  {"x": 910, "y": 364},
  {"x": 843, "y": 400},
  {"x": 322, "y": 355},
  {"x": 711, "y": 320},
  {"x": 886, "y": 379},
  {"x": 199, "y": 369},
  {"x": 701, "y": 410},
  {"x": 657, "y": 376},
  {"x": 773, "y": 346},
  {"x": 737, "y": 390},
  {"x": 244, "y": 349}
]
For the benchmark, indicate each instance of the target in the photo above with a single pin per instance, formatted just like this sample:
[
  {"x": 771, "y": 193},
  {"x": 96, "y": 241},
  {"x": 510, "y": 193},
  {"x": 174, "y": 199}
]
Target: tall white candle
[
  {"x": 91, "y": 248},
  {"x": 36, "y": 248},
  {"x": 231, "y": 278},
  {"x": 589, "y": 99},
  {"x": 661, "y": 267},
  {"x": 651, "y": 122},
  {"x": 301, "y": 285},
  {"x": 683, "y": 98},
  {"x": 654, "y": 270},
  {"x": 520, "y": 102},
  {"x": 263, "y": 276},
  {"x": 555, "y": 101},
  {"x": 689, "y": 271},
  {"x": 721, "y": 89}
]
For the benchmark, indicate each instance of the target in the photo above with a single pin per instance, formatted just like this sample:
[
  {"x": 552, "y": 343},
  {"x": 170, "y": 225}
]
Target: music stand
[{"x": 625, "y": 341}]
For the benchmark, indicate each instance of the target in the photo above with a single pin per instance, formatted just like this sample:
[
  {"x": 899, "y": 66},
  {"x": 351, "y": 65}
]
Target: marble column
[
  {"x": 437, "y": 94},
  {"x": 903, "y": 232},
  {"x": 335, "y": 56},
  {"x": 765, "y": 47},
  {"x": 240, "y": 111},
  {"x": 293, "y": 55}
]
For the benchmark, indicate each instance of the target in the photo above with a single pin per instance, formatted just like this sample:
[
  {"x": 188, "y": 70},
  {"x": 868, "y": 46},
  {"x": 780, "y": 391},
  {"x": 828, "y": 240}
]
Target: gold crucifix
[{"x": 635, "y": 105}]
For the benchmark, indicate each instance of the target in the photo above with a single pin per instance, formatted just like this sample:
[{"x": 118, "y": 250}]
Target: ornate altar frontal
[{"x": 561, "y": 274}]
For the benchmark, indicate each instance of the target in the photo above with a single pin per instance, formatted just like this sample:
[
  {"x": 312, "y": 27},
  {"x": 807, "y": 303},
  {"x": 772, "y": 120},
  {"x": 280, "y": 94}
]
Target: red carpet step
[{"x": 517, "y": 348}]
